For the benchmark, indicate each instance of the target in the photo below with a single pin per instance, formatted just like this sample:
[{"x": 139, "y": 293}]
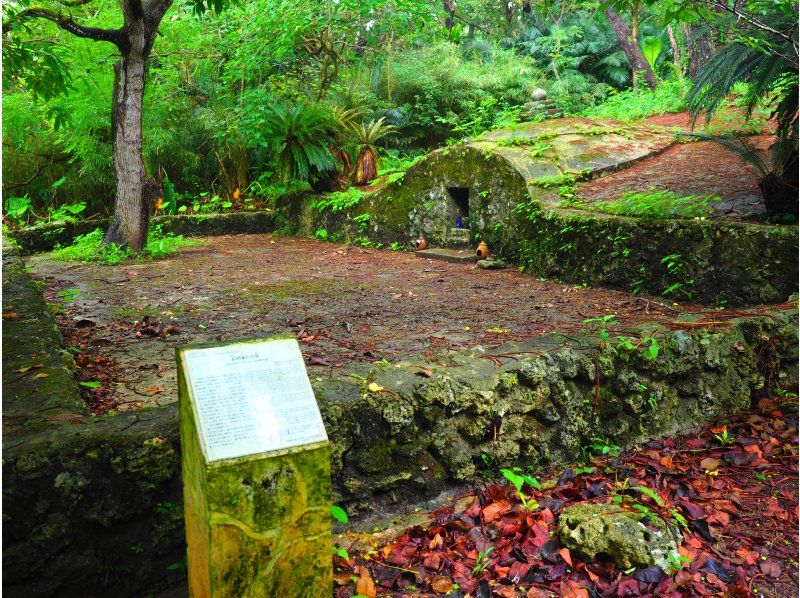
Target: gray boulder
[
  {"x": 612, "y": 531},
  {"x": 492, "y": 264}
]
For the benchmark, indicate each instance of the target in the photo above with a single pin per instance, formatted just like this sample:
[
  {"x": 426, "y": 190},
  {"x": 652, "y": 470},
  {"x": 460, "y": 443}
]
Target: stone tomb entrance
[
  {"x": 458, "y": 232},
  {"x": 460, "y": 206}
]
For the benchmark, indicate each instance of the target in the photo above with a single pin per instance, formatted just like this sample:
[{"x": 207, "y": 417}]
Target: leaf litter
[{"x": 735, "y": 502}]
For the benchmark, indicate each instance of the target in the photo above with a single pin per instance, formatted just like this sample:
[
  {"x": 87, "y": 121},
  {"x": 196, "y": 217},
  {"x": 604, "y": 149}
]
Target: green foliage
[
  {"x": 651, "y": 49},
  {"x": 166, "y": 508},
  {"x": 581, "y": 52},
  {"x": 90, "y": 248},
  {"x": 724, "y": 438},
  {"x": 651, "y": 349},
  {"x": 630, "y": 105},
  {"x": 657, "y": 204},
  {"x": 261, "y": 97},
  {"x": 678, "y": 516},
  {"x": 340, "y": 552},
  {"x": 365, "y": 135},
  {"x": 602, "y": 324},
  {"x": 649, "y": 492},
  {"x": 68, "y": 212},
  {"x": 362, "y": 220},
  {"x": 518, "y": 479},
  {"x": 16, "y": 208},
  {"x": 482, "y": 561},
  {"x": 437, "y": 93},
  {"x": 649, "y": 345},
  {"x": 678, "y": 281},
  {"x": 676, "y": 561},
  {"x": 603, "y": 446},
  {"x": 338, "y": 201},
  {"x": 761, "y": 50},
  {"x": 67, "y": 295},
  {"x": 297, "y": 138},
  {"x": 339, "y": 514},
  {"x": 204, "y": 203}
]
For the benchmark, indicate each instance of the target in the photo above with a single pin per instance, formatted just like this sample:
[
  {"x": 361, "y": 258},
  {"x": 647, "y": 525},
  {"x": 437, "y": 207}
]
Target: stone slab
[{"x": 454, "y": 256}]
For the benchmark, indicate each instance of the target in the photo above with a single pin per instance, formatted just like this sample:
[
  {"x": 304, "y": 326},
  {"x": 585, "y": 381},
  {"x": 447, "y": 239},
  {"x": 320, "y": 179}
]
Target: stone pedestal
[{"x": 258, "y": 525}]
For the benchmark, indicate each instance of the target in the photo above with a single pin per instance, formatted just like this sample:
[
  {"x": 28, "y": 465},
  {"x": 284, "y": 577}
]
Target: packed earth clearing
[{"x": 346, "y": 305}]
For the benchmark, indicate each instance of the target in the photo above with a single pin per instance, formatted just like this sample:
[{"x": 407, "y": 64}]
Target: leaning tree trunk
[
  {"x": 676, "y": 52},
  {"x": 631, "y": 47},
  {"x": 135, "y": 193}
]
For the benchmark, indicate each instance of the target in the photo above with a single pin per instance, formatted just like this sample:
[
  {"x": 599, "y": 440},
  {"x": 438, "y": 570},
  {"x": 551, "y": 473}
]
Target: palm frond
[
  {"x": 365, "y": 135},
  {"x": 765, "y": 66}
]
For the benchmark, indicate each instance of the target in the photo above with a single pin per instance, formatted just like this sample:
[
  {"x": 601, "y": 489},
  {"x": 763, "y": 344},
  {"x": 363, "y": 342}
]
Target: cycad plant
[
  {"x": 764, "y": 55},
  {"x": 365, "y": 136},
  {"x": 298, "y": 139},
  {"x": 341, "y": 121}
]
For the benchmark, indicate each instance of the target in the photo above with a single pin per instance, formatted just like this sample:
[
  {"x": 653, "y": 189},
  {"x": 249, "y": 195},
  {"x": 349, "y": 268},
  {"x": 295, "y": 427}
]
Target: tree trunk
[
  {"x": 134, "y": 40},
  {"x": 450, "y": 11},
  {"x": 676, "y": 56},
  {"x": 135, "y": 193},
  {"x": 635, "y": 38},
  {"x": 700, "y": 49},
  {"x": 630, "y": 47}
]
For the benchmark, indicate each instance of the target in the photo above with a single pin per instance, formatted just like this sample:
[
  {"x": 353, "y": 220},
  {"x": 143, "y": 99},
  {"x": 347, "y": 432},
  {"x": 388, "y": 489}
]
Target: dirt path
[
  {"x": 346, "y": 305},
  {"x": 697, "y": 168}
]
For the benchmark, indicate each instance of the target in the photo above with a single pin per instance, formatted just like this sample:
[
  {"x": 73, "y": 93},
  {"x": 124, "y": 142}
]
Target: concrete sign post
[{"x": 256, "y": 472}]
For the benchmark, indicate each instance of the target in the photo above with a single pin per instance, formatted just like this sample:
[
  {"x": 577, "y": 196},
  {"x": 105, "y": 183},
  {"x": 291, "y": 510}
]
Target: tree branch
[
  {"x": 754, "y": 22},
  {"x": 114, "y": 36},
  {"x": 157, "y": 8},
  {"x": 748, "y": 18}
]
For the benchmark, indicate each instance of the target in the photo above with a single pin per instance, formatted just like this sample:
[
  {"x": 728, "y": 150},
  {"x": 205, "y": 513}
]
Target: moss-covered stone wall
[
  {"x": 543, "y": 402},
  {"x": 91, "y": 505},
  {"x": 46, "y": 237},
  {"x": 712, "y": 262}
]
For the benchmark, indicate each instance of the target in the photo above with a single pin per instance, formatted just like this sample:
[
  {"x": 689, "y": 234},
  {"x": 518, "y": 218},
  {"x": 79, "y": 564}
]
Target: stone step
[
  {"x": 454, "y": 256},
  {"x": 458, "y": 238}
]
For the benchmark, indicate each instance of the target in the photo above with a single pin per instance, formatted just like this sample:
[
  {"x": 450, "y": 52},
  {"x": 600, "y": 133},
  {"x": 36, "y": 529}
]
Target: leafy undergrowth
[
  {"x": 634, "y": 105},
  {"x": 658, "y": 203},
  {"x": 90, "y": 248},
  {"x": 732, "y": 489}
]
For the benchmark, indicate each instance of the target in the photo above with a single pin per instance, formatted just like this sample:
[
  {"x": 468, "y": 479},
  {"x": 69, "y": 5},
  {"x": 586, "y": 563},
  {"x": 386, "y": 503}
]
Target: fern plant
[{"x": 365, "y": 136}]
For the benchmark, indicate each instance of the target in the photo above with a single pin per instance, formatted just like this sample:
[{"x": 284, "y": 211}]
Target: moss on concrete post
[{"x": 258, "y": 525}]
